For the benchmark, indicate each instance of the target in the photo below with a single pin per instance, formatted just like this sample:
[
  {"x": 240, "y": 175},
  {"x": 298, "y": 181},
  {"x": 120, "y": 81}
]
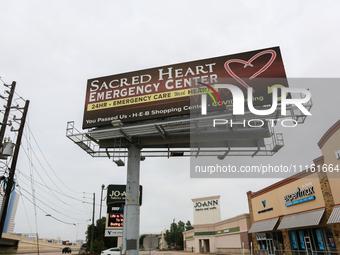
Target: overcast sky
[{"x": 51, "y": 48}]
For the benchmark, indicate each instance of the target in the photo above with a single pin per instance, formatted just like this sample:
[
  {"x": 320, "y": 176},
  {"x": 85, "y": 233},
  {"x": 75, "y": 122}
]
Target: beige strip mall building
[
  {"x": 301, "y": 215},
  {"x": 210, "y": 234}
]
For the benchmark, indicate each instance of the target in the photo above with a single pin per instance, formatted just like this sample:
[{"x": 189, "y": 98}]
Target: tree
[
  {"x": 94, "y": 247},
  {"x": 174, "y": 236},
  {"x": 100, "y": 242},
  {"x": 141, "y": 238},
  {"x": 188, "y": 226},
  {"x": 101, "y": 246}
]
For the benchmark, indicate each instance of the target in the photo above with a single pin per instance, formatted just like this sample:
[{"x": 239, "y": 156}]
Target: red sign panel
[
  {"x": 167, "y": 91},
  {"x": 116, "y": 219}
]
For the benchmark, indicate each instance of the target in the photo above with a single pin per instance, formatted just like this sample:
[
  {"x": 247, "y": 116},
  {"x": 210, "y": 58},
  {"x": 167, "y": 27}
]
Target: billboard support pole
[{"x": 132, "y": 207}]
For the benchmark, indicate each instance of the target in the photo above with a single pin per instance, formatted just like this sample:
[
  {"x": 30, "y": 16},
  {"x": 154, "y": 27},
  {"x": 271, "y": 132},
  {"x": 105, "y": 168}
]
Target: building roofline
[
  {"x": 229, "y": 220},
  {"x": 280, "y": 183},
  {"x": 204, "y": 198},
  {"x": 328, "y": 134}
]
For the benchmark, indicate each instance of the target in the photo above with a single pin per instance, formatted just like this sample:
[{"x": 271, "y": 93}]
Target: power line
[
  {"x": 48, "y": 162},
  {"x": 28, "y": 220},
  {"x": 49, "y": 206},
  {"x": 51, "y": 202},
  {"x": 45, "y": 185},
  {"x": 44, "y": 211}
]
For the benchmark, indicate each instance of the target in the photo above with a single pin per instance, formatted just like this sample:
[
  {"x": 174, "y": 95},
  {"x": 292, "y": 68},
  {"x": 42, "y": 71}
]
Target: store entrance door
[
  {"x": 270, "y": 246},
  {"x": 309, "y": 248}
]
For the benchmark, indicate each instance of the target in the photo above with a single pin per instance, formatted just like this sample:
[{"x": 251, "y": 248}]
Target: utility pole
[
  {"x": 92, "y": 223},
  {"x": 7, "y": 110},
  {"x": 12, "y": 169},
  {"x": 2, "y": 134},
  {"x": 101, "y": 200},
  {"x": 100, "y": 214}
]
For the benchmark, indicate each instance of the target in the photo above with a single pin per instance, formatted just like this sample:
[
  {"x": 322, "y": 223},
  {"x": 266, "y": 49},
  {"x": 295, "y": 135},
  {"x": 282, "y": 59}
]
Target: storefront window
[
  {"x": 330, "y": 239},
  {"x": 312, "y": 241},
  {"x": 270, "y": 243}
]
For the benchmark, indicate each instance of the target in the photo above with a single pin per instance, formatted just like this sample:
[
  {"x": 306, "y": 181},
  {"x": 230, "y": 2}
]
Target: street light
[{"x": 69, "y": 223}]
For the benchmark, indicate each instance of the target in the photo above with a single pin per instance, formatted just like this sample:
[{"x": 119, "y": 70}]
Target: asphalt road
[{"x": 141, "y": 253}]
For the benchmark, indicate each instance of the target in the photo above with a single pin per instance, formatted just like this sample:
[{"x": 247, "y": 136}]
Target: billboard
[{"x": 170, "y": 90}]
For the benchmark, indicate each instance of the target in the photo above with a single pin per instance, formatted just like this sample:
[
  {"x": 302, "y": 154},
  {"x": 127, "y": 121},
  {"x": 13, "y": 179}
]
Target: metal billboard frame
[{"x": 176, "y": 136}]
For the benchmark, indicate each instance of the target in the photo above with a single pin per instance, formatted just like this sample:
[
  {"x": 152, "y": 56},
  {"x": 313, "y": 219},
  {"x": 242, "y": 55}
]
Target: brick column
[
  {"x": 253, "y": 235},
  {"x": 286, "y": 242},
  {"x": 329, "y": 203}
]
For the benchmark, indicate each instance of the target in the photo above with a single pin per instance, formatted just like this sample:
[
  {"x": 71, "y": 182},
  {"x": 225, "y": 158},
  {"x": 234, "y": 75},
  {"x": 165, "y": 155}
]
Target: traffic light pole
[{"x": 12, "y": 169}]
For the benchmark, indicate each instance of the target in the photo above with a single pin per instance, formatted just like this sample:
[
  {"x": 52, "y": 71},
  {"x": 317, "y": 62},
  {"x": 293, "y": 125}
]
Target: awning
[
  {"x": 335, "y": 216},
  {"x": 311, "y": 218},
  {"x": 262, "y": 226}
]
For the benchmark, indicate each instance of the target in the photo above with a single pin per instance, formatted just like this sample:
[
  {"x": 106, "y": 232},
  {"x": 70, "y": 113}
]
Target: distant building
[{"x": 11, "y": 211}]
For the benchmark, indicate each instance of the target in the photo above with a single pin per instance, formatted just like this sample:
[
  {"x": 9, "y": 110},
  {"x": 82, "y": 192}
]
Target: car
[
  {"x": 111, "y": 251},
  {"x": 83, "y": 249},
  {"x": 67, "y": 250}
]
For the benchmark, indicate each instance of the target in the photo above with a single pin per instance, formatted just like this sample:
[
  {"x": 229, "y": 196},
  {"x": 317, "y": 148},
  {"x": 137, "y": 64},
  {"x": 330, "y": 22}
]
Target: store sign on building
[
  {"x": 264, "y": 205},
  {"x": 206, "y": 205},
  {"x": 337, "y": 154},
  {"x": 228, "y": 230},
  {"x": 300, "y": 196}
]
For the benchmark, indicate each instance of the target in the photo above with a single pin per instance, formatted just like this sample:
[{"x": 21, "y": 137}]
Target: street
[{"x": 141, "y": 253}]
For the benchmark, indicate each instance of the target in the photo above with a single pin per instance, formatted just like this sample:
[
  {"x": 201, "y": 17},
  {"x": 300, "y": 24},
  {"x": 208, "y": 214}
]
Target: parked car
[
  {"x": 67, "y": 250},
  {"x": 83, "y": 249},
  {"x": 111, "y": 251}
]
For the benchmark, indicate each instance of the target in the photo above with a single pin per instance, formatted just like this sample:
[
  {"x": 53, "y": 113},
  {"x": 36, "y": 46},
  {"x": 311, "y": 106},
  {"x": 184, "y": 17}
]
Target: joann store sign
[
  {"x": 206, "y": 205},
  {"x": 116, "y": 194}
]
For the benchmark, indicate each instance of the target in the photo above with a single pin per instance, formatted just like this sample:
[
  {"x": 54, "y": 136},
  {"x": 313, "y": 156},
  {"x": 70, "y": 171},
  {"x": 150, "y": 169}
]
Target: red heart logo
[{"x": 248, "y": 63}]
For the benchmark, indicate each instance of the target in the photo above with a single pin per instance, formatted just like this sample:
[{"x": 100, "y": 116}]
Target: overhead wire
[
  {"x": 44, "y": 181},
  {"x": 50, "y": 206},
  {"x": 33, "y": 189},
  {"x": 30, "y": 153},
  {"x": 27, "y": 177},
  {"x": 45, "y": 211},
  {"x": 49, "y": 200},
  {"x": 48, "y": 162},
  {"x": 28, "y": 220},
  {"x": 49, "y": 188},
  {"x": 31, "y": 150}
]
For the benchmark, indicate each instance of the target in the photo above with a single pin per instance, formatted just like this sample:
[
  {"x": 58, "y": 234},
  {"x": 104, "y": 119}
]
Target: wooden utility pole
[
  {"x": 7, "y": 110},
  {"x": 92, "y": 234},
  {"x": 12, "y": 169}
]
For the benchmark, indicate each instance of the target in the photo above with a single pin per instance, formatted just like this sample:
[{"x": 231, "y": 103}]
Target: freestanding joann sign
[
  {"x": 167, "y": 91},
  {"x": 115, "y": 201}
]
